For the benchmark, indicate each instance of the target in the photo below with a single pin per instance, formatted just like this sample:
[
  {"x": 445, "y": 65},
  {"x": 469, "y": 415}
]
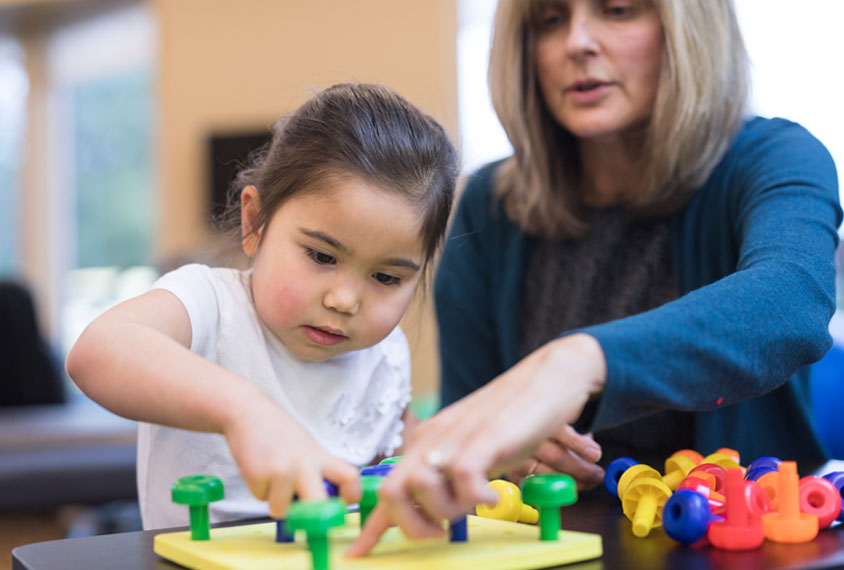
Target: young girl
[{"x": 294, "y": 371}]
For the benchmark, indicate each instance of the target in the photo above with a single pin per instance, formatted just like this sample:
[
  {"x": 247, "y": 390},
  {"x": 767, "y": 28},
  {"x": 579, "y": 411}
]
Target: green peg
[
  {"x": 315, "y": 518},
  {"x": 548, "y": 492},
  {"x": 370, "y": 485},
  {"x": 390, "y": 460},
  {"x": 197, "y": 491}
]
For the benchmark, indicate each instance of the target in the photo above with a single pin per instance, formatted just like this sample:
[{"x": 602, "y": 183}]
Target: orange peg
[
  {"x": 731, "y": 453},
  {"x": 770, "y": 484},
  {"x": 788, "y": 524},
  {"x": 691, "y": 454}
]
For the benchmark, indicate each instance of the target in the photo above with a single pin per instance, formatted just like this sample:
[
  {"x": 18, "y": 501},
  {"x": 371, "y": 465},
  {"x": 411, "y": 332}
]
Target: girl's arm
[{"x": 135, "y": 361}]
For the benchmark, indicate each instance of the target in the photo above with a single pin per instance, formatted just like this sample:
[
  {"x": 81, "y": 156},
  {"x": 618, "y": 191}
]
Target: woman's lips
[
  {"x": 585, "y": 92},
  {"x": 322, "y": 336}
]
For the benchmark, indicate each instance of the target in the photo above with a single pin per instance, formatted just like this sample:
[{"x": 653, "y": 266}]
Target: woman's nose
[{"x": 581, "y": 39}]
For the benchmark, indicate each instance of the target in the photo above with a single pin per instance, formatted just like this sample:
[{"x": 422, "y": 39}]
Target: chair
[{"x": 29, "y": 371}]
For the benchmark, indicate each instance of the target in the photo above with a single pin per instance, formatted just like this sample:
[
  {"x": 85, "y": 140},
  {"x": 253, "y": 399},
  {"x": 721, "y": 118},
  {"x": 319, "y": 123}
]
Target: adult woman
[{"x": 651, "y": 264}]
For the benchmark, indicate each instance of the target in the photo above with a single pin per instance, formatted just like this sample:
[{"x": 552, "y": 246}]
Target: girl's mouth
[{"x": 322, "y": 336}]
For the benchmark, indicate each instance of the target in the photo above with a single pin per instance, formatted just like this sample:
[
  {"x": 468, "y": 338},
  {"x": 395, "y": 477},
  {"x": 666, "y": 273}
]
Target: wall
[{"x": 231, "y": 65}]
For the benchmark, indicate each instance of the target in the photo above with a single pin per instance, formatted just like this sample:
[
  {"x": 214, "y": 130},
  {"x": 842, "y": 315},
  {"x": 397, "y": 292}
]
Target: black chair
[{"x": 29, "y": 371}]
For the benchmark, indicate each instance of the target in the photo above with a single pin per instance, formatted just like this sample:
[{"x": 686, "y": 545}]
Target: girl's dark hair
[{"x": 362, "y": 130}]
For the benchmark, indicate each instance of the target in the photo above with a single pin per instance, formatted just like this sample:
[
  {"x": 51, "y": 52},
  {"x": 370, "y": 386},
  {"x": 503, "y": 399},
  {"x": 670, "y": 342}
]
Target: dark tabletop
[{"x": 595, "y": 512}]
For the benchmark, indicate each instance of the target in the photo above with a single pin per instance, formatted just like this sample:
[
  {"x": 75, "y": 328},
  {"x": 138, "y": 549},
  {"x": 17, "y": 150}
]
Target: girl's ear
[{"x": 250, "y": 205}]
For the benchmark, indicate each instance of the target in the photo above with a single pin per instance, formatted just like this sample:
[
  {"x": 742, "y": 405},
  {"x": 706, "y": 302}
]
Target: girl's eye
[
  {"x": 386, "y": 279},
  {"x": 320, "y": 257}
]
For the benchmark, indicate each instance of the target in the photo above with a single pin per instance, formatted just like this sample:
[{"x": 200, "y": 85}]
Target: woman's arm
[{"x": 134, "y": 361}]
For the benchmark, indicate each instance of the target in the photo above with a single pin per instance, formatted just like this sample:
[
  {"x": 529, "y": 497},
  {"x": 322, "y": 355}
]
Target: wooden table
[{"x": 595, "y": 512}]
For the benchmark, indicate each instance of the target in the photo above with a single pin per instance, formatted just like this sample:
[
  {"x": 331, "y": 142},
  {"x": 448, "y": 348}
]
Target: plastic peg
[
  {"x": 316, "y": 518},
  {"x": 715, "y": 470},
  {"x": 819, "y": 497},
  {"x": 458, "y": 530},
  {"x": 686, "y": 516},
  {"x": 724, "y": 461},
  {"x": 642, "y": 503},
  {"x": 677, "y": 467},
  {"x": 509, "y": 506},
  {"x": 197, "y": 491},
  {"x": 691, "y": 454},
  {"x": 614, "y": 471},
  {"x": 765, "y": 461},
  {"x": 636, "y": 472},
  {"x": 739, "y": 530},
  {"x": 788, "y": 524},
  {"x": 837, "y": 480},
  {"x": 548, "y": 492},
  {"x": 391, "y": 460},
  {"x": 379, "y": 470},
  {"x": 370, "y": 485},
  {"x": 731, "y": 453}
]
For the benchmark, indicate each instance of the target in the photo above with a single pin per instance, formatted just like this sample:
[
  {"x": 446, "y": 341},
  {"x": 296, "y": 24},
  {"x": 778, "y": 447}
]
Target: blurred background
[{"x": 121, "y": 123}]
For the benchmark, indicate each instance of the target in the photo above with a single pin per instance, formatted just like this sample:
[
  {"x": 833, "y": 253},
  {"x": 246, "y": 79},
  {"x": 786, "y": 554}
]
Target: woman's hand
[
  {"x": 277, "y": 457},
  {"x": 565, "y": 452},
  {"x": 450, "y": 457}
]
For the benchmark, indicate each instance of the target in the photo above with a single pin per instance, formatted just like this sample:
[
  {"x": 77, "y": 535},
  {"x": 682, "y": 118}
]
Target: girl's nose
[{"x": 342, "y": 297}]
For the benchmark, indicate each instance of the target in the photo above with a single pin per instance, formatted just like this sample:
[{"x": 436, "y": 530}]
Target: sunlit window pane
[{"x": 12, "y": 120}]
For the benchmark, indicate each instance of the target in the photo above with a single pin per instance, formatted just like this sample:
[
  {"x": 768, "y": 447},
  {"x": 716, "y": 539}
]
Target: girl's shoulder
[{"x": 199, "y": 275}]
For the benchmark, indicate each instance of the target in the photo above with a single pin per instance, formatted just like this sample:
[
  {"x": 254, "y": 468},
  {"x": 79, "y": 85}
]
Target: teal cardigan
[{"x": 752, "y": 254}]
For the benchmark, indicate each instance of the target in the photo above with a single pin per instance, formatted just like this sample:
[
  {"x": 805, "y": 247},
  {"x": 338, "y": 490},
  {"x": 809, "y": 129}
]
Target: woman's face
[{"x": 598, "y": 63}]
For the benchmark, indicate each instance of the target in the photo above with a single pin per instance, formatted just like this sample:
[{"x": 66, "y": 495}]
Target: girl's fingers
[
  {"x": 279, "y": 496},
  {"x": 309, "y": 483},
  {"x": 346, "y": 477}
]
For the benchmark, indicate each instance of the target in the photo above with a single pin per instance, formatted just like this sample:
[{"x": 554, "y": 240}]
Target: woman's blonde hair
[{"x": 700, "y": 105}]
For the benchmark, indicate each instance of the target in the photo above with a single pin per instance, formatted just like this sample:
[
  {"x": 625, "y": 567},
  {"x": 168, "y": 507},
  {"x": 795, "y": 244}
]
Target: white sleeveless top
[{"x": 351, "y": 404}]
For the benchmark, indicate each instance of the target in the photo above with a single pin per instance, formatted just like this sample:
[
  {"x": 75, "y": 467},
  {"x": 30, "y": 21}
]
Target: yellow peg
[{"x": 509, "y": 506}]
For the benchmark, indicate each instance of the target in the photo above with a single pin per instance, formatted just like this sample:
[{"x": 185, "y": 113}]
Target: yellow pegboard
[{"x": 492, "y": 545}]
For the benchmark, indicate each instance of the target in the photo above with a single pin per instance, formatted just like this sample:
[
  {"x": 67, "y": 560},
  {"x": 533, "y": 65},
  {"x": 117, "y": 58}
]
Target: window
[
  {"x": 102, "y": 130},
  {"x": 13, "y": 110}
]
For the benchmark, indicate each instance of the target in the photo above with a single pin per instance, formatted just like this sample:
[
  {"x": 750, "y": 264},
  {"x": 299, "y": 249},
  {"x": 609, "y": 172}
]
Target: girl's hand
[
  {"x": 566, "y": 452},
  {"x": 445, "y": 469},
  {"x": 277, "y": 457}
]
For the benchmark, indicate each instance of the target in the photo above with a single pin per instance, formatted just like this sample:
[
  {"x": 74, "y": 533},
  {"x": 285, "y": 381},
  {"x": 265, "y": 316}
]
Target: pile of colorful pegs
[{"x": 714, "y": 498}]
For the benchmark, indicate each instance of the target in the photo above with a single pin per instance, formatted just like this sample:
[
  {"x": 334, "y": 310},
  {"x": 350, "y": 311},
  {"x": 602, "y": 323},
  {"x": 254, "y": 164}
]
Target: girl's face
[
  {"x": 598, "y": 64},
  {"x": 334, "y": 269}
]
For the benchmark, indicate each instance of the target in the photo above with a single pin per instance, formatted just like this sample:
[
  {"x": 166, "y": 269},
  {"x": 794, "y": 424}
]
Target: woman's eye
[
  {"x": 320, "y": 257},
  {"x": 386, "y": 279},
  {"x": 620, "y": 10}
]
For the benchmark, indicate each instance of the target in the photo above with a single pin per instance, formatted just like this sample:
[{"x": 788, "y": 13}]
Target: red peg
[
  {"x": 704, "y": 483},
  {"x": 821, "y": 498},
  {"x": 716, "y": 470},
  {"x": 739, "y": 531}
]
